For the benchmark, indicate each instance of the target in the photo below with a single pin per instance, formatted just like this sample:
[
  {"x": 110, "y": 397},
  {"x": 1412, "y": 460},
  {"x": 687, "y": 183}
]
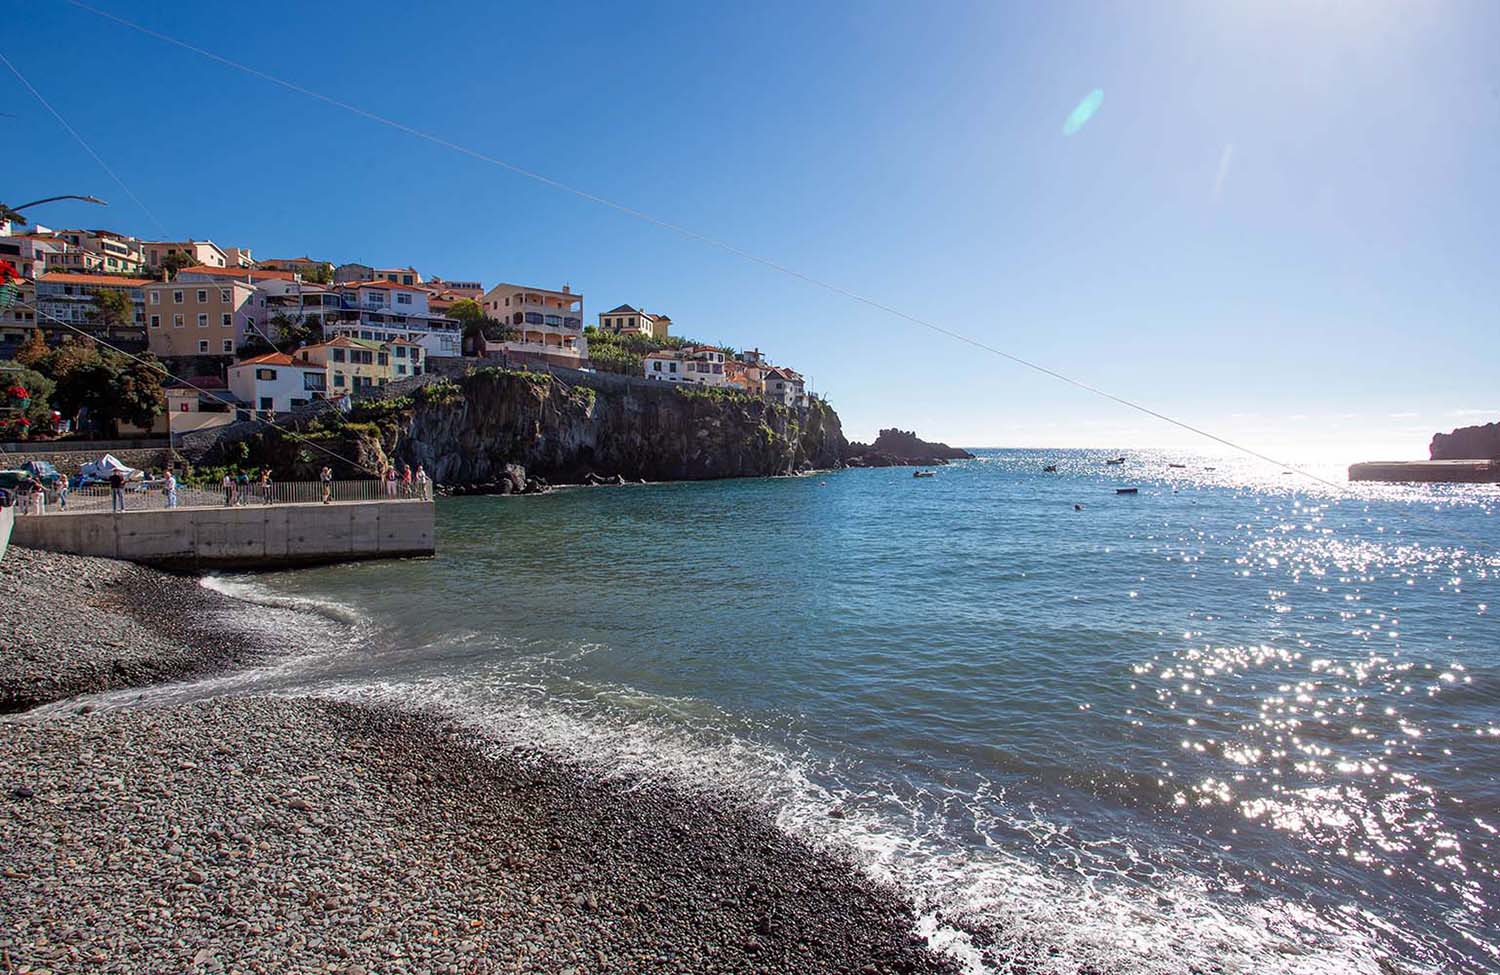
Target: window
[
  {"x": 226, "y": 295},
  {"x": 265, "y": 403},
  {"x": 338, "y": 379},
  {"x": 338, "y": 355},
  {"x": 403, "y": 298},
  {"x": 203, "y": 346},
  {"x": 203, "y": 319},
  {"x": 229, "y": 345},
  {"x": 156, "y": 297},
  {"x": 657, "y": 365},
  {"x": 177, "y": 320},
  {"x": 385, "y": 359},
  {"x": 674, "y": 367},
  {"x": 400, "y": 351},
  {"x": 202, "y": 296},
  {"x": 400, "y": 368},
  {"x": 265, "y": 374},
  {"x": 156, "y": 321},
  {"x": 228, "y": 320},
  {"x": 177, "y": 297}
]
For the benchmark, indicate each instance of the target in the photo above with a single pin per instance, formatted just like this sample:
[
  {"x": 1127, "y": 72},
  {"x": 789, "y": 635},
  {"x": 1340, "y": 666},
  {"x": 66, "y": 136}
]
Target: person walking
[
  {"x": 424, "y": 484},
  {"x": 37, "y": 495},
  {"x": 116, "y": 491},
  {"x": 406, "y": 480},
  {"x": 62, "y": 495},
  {"x": 228, "y": 485},
  {"x": 242, "y": 489},
  {"x": 169, "y": 488},
  {"x": 326, "y": 476}
]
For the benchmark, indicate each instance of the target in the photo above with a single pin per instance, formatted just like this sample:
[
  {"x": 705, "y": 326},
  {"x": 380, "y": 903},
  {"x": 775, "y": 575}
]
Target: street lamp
[{"x": 53, "y": 199}]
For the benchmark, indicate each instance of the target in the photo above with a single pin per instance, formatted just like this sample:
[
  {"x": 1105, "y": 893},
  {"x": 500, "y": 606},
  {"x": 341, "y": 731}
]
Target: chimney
[{"x": 567, "y": 290}]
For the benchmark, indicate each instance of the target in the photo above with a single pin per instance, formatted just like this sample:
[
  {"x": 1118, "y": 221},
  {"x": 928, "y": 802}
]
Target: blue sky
[{"x": 1281, "y": 223}]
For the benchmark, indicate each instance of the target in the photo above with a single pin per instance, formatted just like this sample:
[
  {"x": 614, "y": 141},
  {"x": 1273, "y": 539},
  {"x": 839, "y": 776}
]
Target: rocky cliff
[
  {"x": 1467, "y": 443},
  {"x": 900, "y": 448},
  {"x": 473, "y": 431}
]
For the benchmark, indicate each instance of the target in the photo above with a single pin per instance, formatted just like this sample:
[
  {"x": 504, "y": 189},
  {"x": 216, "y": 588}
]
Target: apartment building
[
  {"x": 353, "y": 364},
  {"x": 197, "y": 317},
  {"x": 380, "y": 311},
  {"x": 115, "y": 253},
  {"x": 626, "y": 320},
  {"x": 238, "y": 257},
  {"x": 204, "y": 253},
  {"x": 68, "y": 297},
  {"x": 17, "y": 322},
  {"x": 305, "y": 266},
  {"x": 298, "y": 301},
  {"x": 549, "y": 323},
  {"x": 32, "y": 255}
]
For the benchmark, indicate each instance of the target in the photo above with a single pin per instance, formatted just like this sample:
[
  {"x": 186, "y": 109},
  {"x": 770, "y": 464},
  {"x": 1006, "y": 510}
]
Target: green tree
[
  {"x": 113, "y": 309},
  {"x": 33, "y": 350},
  {"x": 322, "y": 274},
  {"x": 465, "y": 310},
  {"x": 114, "y": 388},
  {"x": 39, "y": 409},
  {"x": 176, "y": 261},
  {"x": 14, "y": 216}
]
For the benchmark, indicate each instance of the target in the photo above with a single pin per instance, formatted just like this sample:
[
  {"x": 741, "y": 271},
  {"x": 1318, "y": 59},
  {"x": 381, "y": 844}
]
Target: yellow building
[{"x": 352, "y": 364}]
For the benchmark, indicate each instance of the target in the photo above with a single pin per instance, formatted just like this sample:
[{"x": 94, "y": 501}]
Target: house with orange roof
[
  {"x": 277, "y": 383},
  {"x": 784, "y": 386},
  {"x": 66, "y": 299},
  {"x": 250, "y": 275},
  {"x": 113, "y": 253},
  {"x": 351, "y": 364}
]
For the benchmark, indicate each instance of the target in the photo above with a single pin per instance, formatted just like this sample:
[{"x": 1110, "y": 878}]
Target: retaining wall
[{"x": 252, "y": 537}]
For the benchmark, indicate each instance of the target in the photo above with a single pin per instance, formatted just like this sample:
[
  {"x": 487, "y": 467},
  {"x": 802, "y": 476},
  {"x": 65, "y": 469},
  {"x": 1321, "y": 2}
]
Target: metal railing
[{"x": 152, "y": 495}]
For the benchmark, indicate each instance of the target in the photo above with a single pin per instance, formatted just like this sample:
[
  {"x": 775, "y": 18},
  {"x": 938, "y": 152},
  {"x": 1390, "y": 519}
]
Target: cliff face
[
  {"x": 1467, "y": 443},
  {"x": 568, "y": 432}
]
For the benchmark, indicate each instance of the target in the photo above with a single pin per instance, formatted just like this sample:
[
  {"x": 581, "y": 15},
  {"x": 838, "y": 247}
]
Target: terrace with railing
[{"x": 152, "y": 496}]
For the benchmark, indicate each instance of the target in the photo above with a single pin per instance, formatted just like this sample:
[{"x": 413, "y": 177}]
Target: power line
[
  {"x": 156, "y": 365},
  {"x": 83, "y": 142},
  {"x": 703, "y": 239}
]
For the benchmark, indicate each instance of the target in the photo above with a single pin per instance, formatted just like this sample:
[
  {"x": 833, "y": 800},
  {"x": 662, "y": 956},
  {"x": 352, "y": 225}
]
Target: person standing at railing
[
  {"x": 116, "y": 491},
  {"x": 242, "y": 488},
  {"x": 265, "y": 485},
  {"x": 62, "y": 495},
  {"x": 169, "y": 488},
  {"x": 326, "y": 477},
  {"x": 228, "y": 485},
  {"x": 391, "y": 479},
  {"x": 406, "y": 480},
  {"x": 424, "y": 484}
]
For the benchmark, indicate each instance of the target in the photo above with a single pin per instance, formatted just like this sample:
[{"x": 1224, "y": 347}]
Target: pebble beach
[{"x": 258, "y": 834}]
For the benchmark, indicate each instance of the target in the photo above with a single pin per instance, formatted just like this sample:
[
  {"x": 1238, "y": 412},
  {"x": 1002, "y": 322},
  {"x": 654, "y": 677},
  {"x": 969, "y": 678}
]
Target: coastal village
[{"x": 234, "y": 337}]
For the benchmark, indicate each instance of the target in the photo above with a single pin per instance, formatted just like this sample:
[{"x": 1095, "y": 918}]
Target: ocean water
[{"x": 1237, "y": 722}]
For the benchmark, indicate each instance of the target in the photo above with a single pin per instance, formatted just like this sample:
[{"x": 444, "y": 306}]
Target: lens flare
[{"x": 1085, "y": 111}]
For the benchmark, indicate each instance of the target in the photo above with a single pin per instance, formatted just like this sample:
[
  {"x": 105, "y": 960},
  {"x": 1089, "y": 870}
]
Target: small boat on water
[
  {"x": 1050, "y": 469},
  {"x": 924, "y": 473},
  {"x": 1115, "y": 460},
  {"x": 1127, "y": 490},
  {"x": 1176, "y": 465}
]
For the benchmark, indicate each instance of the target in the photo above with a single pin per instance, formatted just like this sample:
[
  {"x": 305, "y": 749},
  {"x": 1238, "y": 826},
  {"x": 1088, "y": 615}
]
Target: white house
[
  {"x": 784, "y": 386},
  {"x": 382, "y": 311},
  {"x": 702, "y": 365},
  {"x": 277, "y": 383}
]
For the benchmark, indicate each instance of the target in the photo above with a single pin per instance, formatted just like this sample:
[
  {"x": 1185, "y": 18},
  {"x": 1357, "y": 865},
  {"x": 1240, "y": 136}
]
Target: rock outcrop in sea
[
  {"x": 1467, "y": 443},
  {"x": 902, "y": 448},
  {"x": 509, "y": 431}
]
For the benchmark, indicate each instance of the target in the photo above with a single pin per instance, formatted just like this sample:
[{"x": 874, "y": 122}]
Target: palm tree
[{"x": 11, "y": 216}]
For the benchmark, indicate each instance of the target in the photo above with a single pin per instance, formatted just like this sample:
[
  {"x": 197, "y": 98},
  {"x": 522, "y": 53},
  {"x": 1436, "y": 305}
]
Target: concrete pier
[
  {"x": 1428, "y": 471},
  {"x": 251, "y": 537}
]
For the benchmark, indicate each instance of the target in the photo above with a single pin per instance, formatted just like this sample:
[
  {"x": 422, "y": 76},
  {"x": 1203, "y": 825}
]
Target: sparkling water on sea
[{"x": 1236, "y": 722}]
